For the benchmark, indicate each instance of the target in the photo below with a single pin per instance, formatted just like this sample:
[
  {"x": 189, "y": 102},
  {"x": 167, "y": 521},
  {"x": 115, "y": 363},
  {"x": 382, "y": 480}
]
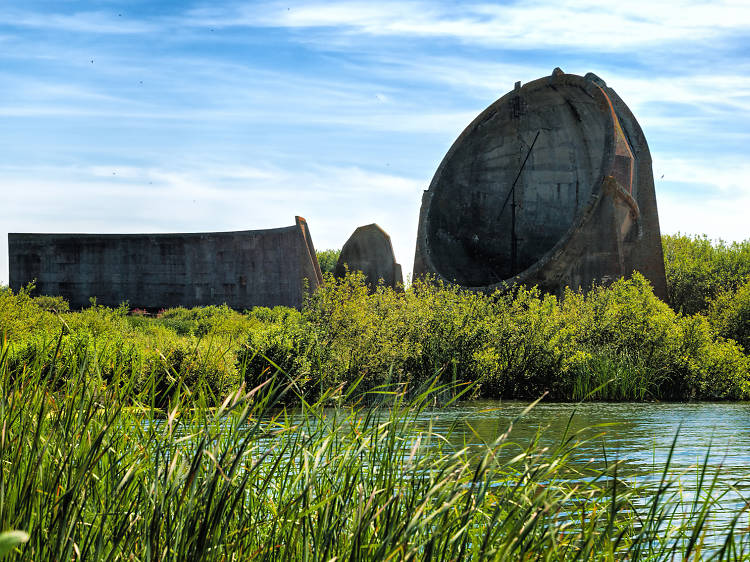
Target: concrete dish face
[
  {"x": 470, "y": 226},
  {"x": 550, "y": 185}
]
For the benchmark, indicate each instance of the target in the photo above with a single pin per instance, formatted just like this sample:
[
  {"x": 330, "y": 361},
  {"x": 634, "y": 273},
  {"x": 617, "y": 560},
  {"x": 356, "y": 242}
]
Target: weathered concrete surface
[
  {"x": 583, "y": 208},
  {"x": 370, "y": 251},
  {"x": 242, "y": 269}
]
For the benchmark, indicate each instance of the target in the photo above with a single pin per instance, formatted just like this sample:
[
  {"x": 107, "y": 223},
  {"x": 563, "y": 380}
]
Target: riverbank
[{"x": 83, "y": 477}]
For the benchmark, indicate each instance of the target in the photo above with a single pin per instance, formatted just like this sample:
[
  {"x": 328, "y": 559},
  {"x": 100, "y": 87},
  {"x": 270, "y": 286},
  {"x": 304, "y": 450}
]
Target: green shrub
[
  {"x": 714, "y": 369},
  {"x": 680, "y": 354},
  {"x": 204, "y": 320},
  {"x": 100, "y": 320},
  {"x": 514, "y": 345},
  {"x": 526, "y": 346},
  {"x": 21, "y": 314},
  {"x": 287, "y": 348},
  {"x": 328, "y": 259},
  {"x": 52, "y": 304},
  {"x": 730, "y": 315},
  {"x": 698, "y": 269},
  {"x": 388, "y": 336}
]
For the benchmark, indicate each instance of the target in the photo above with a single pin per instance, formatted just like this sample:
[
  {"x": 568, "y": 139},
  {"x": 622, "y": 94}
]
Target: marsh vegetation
[{"x": 278, "y": 434}]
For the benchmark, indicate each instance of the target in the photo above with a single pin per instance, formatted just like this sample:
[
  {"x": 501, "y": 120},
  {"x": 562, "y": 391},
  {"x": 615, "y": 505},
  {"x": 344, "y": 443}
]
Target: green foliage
[
  {"x": 388, "y": 336},
  {"x": 328, "y": 259},
  {"x": 21, "y": 315},
  {"x": 518, "y": 345},
  {"x": 206, "y": 320},
  {"x": 85, "y": 477},
  {"x": 109, "y": 344},
  {"x": 664, "y": 354},
  {"x": 730, "y": 315},
  {"x": 163, "y": 438},
  {"x": 283, "y": 345},
  {"x": 614, "y": 343},
  {"x": 52, "y": 304},
  {"x": 529, "y": 346},
  {"x": 698, "y": 270}
]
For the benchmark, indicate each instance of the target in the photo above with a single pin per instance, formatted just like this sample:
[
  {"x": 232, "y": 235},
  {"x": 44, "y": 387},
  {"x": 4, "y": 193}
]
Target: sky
[{"x": 191, "y": 116}]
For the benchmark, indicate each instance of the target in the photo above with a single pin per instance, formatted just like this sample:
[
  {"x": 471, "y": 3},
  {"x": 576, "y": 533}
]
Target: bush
[
  {"x": 729, "y": 313},
  {"x": 528, "y": 347},
  {"x": 512, "y": 345},
  {"x": 286, "y": 346},
  {"x": 666, "y": 355},
  {"x": 697, "y": 270},
  {"x": 21, "y": 314},
  {"x": 207, "y": 320},
  {"x": 328, "y": 259},
  {"x": 392, "y": 337}
]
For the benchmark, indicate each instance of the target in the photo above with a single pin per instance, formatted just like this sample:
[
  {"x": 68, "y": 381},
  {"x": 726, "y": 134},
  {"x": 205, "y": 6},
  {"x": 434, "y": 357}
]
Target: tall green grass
[{"x": 94, "y": 469}]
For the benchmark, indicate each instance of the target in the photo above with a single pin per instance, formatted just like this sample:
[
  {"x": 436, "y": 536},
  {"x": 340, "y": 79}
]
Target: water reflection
[{"x": 640, "y": 436}]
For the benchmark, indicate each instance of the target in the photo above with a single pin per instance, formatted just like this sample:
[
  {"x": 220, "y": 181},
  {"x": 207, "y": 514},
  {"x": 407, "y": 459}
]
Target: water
[{"x": 640, "y": 436}]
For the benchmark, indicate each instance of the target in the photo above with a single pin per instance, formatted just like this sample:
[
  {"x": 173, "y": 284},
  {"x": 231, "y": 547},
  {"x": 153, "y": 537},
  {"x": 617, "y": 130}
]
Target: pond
[{"x": 639, "y": 435}]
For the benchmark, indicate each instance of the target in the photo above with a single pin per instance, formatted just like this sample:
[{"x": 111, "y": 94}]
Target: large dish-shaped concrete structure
[
  {"x": 551, "y": 185},
  {"x": 153, "y": 271}
]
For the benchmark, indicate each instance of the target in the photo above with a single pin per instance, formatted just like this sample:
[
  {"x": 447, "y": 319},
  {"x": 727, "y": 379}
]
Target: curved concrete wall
[
  {"x": 550, "y": 185},
  {"x": 242, "y": 269}
]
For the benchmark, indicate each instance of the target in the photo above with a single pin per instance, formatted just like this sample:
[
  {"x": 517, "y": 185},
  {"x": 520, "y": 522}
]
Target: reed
[{"x": 95, "y": 469}]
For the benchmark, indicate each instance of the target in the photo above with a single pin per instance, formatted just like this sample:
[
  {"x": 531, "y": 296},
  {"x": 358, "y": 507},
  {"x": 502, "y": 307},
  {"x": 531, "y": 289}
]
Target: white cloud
[
  {"x": 719, "y": 92},
  {"x": 719, "y": 217},
  {"x": 708, "y": 196},
  {"x": 576, "y": 24},
  {"x": 721, "y": 176},
  {"x": 727, "y": 88},
  {"x": 211, "y": 197}
]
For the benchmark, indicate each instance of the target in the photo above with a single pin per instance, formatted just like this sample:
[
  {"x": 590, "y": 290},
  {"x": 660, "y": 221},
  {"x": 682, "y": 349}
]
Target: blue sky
[{"x": 200, "y": 116}]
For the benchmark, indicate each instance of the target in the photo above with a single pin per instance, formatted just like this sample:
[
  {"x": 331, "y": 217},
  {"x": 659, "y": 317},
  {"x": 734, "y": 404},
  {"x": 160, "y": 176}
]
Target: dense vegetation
[
  {"x": 84, "y": 475},
  {"x": 699, "y": 270},
  {"x": 517, "y": 345},
  {"x": 511, "y": 345},
  {"x": 328, "y": 259},
  {"x": 131, "y": 436}
]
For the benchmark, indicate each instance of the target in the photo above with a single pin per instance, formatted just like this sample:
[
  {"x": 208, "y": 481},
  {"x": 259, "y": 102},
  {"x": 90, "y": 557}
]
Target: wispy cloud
[
  {"x": 237, "y": 114},
  {"x": 718, "y": 176},
  {"x": 718, "y": 92},
  {"x": 578, "y": 24},
  {"x": 97, "y": 22},
  {"x": 720, "y": 217},
  {"x": 207, "y": 197}
]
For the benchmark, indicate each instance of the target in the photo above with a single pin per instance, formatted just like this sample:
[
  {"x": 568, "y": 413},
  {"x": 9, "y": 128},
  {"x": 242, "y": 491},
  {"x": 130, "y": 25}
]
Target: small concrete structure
[
  {"x": 369, "y": 250},
  {"x": 551, "y": 185},
  {"x": 152, "y": 271}
]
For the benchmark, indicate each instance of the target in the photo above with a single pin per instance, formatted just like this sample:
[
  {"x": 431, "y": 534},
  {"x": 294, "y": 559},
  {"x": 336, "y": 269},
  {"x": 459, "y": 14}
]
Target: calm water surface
[{"x": 639, "y": 435}]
